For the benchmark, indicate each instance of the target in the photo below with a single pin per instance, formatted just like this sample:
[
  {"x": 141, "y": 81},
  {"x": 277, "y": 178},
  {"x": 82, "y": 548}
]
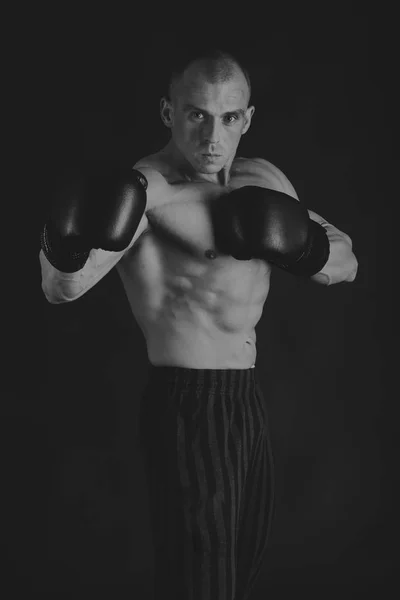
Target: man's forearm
[
  {"x": 342, "y": 264},
  {"x": 59, "y": 287}
]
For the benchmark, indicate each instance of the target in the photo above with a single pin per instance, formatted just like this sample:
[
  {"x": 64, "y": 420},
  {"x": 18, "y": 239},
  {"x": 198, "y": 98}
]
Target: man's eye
[
  {"x": 197, "y": 114},
  {"x": 231, "y": 118}
]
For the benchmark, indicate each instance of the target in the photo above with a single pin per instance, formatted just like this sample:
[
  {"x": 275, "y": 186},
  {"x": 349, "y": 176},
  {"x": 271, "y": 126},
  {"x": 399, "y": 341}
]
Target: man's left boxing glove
[
  {"x": 92, "y": 209},
  {"x": 254, "y": 222}
]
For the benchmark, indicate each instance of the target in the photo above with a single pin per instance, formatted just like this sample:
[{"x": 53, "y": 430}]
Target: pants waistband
[{"x": 200, "y": 377}]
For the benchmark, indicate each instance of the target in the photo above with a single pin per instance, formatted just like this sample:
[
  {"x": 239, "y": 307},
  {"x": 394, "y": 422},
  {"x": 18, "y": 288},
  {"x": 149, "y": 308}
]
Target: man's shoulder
[
  {"x": 157, "y": 178},
  {"x": 157, "y": 164},
  {"x": 152, "y": 165},
  {"x": 267, "y": 173},
  {"x": 256, "y": 162}
]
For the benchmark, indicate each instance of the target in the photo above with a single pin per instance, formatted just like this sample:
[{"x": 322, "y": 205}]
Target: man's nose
[{"x": 211, "y": 131}]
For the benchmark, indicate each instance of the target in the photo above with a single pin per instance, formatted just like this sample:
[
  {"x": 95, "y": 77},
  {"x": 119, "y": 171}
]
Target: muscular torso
[{"x": 197, "y": 309}]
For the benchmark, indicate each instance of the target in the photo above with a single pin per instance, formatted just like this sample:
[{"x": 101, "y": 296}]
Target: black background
[{"x": 75, "y": 505}]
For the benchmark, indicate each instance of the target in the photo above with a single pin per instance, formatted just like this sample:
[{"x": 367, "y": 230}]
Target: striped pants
[{"x": 210, "y": 481}]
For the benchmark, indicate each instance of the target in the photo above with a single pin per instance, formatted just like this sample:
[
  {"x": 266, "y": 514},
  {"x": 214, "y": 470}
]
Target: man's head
[{"x": 207, "y": 109}]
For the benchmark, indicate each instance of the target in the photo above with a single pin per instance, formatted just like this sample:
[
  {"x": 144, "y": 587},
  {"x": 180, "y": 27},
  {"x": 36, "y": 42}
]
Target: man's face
[{"x": 207, "y": 119}]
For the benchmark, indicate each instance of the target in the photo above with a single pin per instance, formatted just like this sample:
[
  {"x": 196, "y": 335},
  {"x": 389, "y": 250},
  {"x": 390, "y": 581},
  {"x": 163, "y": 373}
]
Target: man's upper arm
[{"x": 276, "y": 179}]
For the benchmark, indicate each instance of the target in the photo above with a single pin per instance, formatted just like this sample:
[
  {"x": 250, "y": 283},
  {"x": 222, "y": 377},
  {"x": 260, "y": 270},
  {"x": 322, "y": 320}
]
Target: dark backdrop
[{"x": 75, "y": 516}]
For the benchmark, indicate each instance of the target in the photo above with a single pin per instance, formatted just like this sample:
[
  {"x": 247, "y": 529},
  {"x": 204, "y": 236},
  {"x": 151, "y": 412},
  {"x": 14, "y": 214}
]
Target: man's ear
[
  {"x": 166, "y": 112},
  {"x": 247, "y": 118}
]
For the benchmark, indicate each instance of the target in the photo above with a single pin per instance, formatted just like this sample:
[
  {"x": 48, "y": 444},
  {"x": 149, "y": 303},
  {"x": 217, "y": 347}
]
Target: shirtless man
[{"x": 193, "y": 231}]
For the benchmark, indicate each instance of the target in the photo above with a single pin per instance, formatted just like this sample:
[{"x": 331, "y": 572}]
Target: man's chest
[{"x": 184, "y": 216}]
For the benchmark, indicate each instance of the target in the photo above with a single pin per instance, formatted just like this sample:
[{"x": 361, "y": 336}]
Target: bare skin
[{"x": 196, "y": 308}]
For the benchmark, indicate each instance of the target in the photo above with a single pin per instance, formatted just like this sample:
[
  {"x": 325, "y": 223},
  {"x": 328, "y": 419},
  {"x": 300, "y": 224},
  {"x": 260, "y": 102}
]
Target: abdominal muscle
[
  {"x": 200, "y": 347},
  {"x": 195, "y": 314}
]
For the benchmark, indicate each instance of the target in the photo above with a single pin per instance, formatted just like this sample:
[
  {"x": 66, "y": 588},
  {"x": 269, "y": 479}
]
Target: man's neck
[{"x": 182, "y": 165}]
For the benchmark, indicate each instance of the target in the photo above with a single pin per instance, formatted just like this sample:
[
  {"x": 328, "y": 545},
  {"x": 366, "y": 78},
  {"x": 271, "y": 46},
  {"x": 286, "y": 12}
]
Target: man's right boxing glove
[{"x": 93, "y": 210}]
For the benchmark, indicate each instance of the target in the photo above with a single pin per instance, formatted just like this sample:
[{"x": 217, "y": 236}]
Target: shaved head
[{"x": 215, "y": 66}]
